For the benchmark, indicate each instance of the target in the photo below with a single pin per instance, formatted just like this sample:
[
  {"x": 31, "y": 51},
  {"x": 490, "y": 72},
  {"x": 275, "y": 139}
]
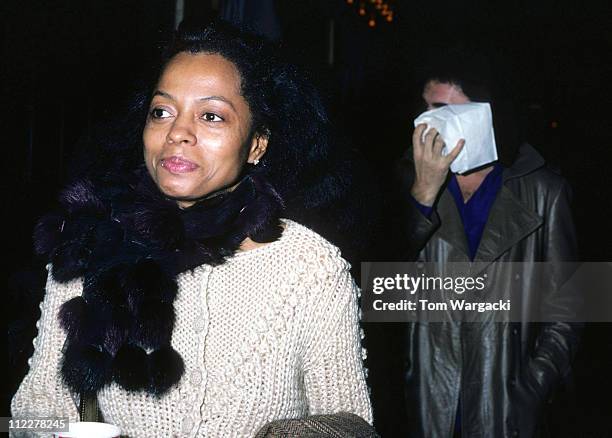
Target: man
[{"x": 485, "y": 379}]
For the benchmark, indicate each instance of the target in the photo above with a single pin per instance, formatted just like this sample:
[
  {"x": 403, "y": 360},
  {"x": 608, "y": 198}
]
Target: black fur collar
[{"x": 128, "y": 243}]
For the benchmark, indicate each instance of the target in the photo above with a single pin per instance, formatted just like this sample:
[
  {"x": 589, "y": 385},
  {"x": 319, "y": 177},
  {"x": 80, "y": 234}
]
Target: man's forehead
[
  {"x": 443, "y": 93},
  {"x": 435, "y": 86}
]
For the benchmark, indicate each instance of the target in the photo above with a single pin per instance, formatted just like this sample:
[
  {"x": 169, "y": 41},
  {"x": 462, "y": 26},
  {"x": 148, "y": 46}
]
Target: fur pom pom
[
  {"x": 109, "y": 239},
  {"x": 270, "y": 233},
  {"x": 47, "y": 233},
  {"x": 70, "y": 261},
  {"x": 86, "y": 368},
  {"x": 161, "y": 228},
  {"x": 104, "y": 291},
  {"x": 165, "y": 370},
  {"x": 147, "y": 280},
  {"x": 82, "y": 196},
  {"x": 71, "y": 316},
  {"x": 116, "y": 331},
  {"x": 153, "y": 324},
  {"x": 130, "y": 368},
  {"x": 261, "y": 217}
]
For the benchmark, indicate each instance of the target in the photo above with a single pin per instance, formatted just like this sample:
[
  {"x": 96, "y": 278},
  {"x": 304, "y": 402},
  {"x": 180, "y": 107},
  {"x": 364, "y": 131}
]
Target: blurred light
[
  {"x": 371, "y": 8},
  {"x": 554, "y": 124}
]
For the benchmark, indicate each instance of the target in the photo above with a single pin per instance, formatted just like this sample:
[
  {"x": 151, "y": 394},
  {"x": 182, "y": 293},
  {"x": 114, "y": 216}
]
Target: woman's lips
[{"x": 178, "y": 165}]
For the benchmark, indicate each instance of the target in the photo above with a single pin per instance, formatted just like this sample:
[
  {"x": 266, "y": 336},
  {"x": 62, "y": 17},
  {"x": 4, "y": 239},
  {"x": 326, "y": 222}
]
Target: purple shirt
[{"x": 475, "y": 212}]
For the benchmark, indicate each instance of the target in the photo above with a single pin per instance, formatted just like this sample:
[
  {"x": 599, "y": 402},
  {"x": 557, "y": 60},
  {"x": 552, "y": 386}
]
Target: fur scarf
[{"x": 128, "y": 243}]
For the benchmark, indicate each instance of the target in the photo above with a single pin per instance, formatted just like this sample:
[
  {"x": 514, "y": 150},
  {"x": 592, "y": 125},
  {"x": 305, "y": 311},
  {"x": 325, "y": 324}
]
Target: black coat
[{"x": 502, "y": 372}]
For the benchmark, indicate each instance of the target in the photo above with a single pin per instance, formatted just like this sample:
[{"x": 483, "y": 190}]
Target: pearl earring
[{"x": 256, "y": 161}]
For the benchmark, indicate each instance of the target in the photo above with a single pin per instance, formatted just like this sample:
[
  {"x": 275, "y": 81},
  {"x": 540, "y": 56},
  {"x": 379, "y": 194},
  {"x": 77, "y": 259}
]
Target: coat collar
[
  {"x": 509, "y": 219},
  {"x": 528, "y": 161},
  {"x": 451, "y": 229},
  {"x": 509, "y": 222}
]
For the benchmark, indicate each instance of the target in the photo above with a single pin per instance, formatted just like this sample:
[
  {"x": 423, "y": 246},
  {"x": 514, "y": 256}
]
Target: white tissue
[{"x": 471, "y": 121}]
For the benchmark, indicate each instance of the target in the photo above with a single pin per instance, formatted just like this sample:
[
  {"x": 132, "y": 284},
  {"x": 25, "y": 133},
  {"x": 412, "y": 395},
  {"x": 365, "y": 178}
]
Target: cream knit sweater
[{"x": 272, "y": 333}]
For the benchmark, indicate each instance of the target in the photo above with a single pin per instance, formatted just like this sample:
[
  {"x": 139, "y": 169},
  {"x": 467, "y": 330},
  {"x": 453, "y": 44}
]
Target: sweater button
[
  {"x": 187, "y": 424},
  {"x": 199, "y": 325},
  {"x": 195, "y": 377}
]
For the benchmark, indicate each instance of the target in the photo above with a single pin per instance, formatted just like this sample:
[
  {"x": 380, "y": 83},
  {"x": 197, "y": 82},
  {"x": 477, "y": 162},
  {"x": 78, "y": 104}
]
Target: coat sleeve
[
  {"x": 334, "y": 375},
  {"x": 42, "y": 393},
  {"x": 558, "y": 341}
]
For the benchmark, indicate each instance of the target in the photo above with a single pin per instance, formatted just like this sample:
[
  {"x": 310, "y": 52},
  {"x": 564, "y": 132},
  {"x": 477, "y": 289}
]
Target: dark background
[{"x": 69, "y": 67}]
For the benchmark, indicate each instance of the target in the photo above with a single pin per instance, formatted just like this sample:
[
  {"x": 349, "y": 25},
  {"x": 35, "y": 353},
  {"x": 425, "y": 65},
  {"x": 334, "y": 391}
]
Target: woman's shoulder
[
  {"x": 307, "y": 244},
  {"x": 299, "y": 246},
  {"x": 298, "y": 234}
]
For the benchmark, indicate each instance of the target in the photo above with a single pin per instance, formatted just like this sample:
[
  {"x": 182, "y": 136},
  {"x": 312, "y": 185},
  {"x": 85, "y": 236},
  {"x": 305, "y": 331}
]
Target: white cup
[{"x": 87, "y": 429}]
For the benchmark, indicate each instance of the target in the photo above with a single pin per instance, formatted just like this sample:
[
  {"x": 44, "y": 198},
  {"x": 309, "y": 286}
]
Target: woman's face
[{"x": 198, "y": 132}]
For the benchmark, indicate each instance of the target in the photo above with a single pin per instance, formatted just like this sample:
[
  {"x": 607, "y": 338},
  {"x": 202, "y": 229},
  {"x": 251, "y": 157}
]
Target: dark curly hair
[
  {"x": 315, "y": 176},
  {"x": 284, "y": 106}
]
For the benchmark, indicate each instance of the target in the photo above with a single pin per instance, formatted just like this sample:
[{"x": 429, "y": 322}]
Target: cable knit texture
[{"x": 272, "y": 333}]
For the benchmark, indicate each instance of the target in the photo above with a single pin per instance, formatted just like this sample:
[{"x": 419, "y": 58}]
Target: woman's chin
[
  {"x": 178, "y": 194},
  {"x": 181, "y": 200}
]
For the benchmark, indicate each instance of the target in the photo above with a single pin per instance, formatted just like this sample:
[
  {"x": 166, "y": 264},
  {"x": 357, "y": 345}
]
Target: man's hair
[{"x": 467, "y": 69}]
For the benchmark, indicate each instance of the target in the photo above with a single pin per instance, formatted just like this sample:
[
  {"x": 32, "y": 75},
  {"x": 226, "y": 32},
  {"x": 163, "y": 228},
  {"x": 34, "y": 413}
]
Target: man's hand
[{"x": 431, "y": 167}]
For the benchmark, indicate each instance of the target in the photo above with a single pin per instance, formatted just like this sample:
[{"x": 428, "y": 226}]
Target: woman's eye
[
  {"x": 159, "y": 113},
  {"x": 212, "y": 117}
]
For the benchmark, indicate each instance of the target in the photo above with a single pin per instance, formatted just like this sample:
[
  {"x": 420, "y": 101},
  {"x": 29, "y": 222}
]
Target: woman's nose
[{"x": 181, "y": 133}]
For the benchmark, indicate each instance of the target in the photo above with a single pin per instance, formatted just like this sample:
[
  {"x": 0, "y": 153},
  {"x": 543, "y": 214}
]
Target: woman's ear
[{"x": 259, "y": 145}]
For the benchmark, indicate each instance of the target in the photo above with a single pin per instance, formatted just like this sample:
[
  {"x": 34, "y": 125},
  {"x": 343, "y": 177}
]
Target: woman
[{"x": 175, "y": 292}]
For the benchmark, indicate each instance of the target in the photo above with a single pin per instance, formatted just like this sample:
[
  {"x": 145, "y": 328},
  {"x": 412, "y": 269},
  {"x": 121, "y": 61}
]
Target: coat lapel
[
  {"x": 509, "y": 222},
  {"x": 451, "y": 229}
]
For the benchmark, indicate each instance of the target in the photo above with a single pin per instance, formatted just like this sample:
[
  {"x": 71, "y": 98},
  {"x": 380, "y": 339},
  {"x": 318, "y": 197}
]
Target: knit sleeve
[
  {"x": 334, "y": 376},
  {"x": 42, "y": 393}
]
